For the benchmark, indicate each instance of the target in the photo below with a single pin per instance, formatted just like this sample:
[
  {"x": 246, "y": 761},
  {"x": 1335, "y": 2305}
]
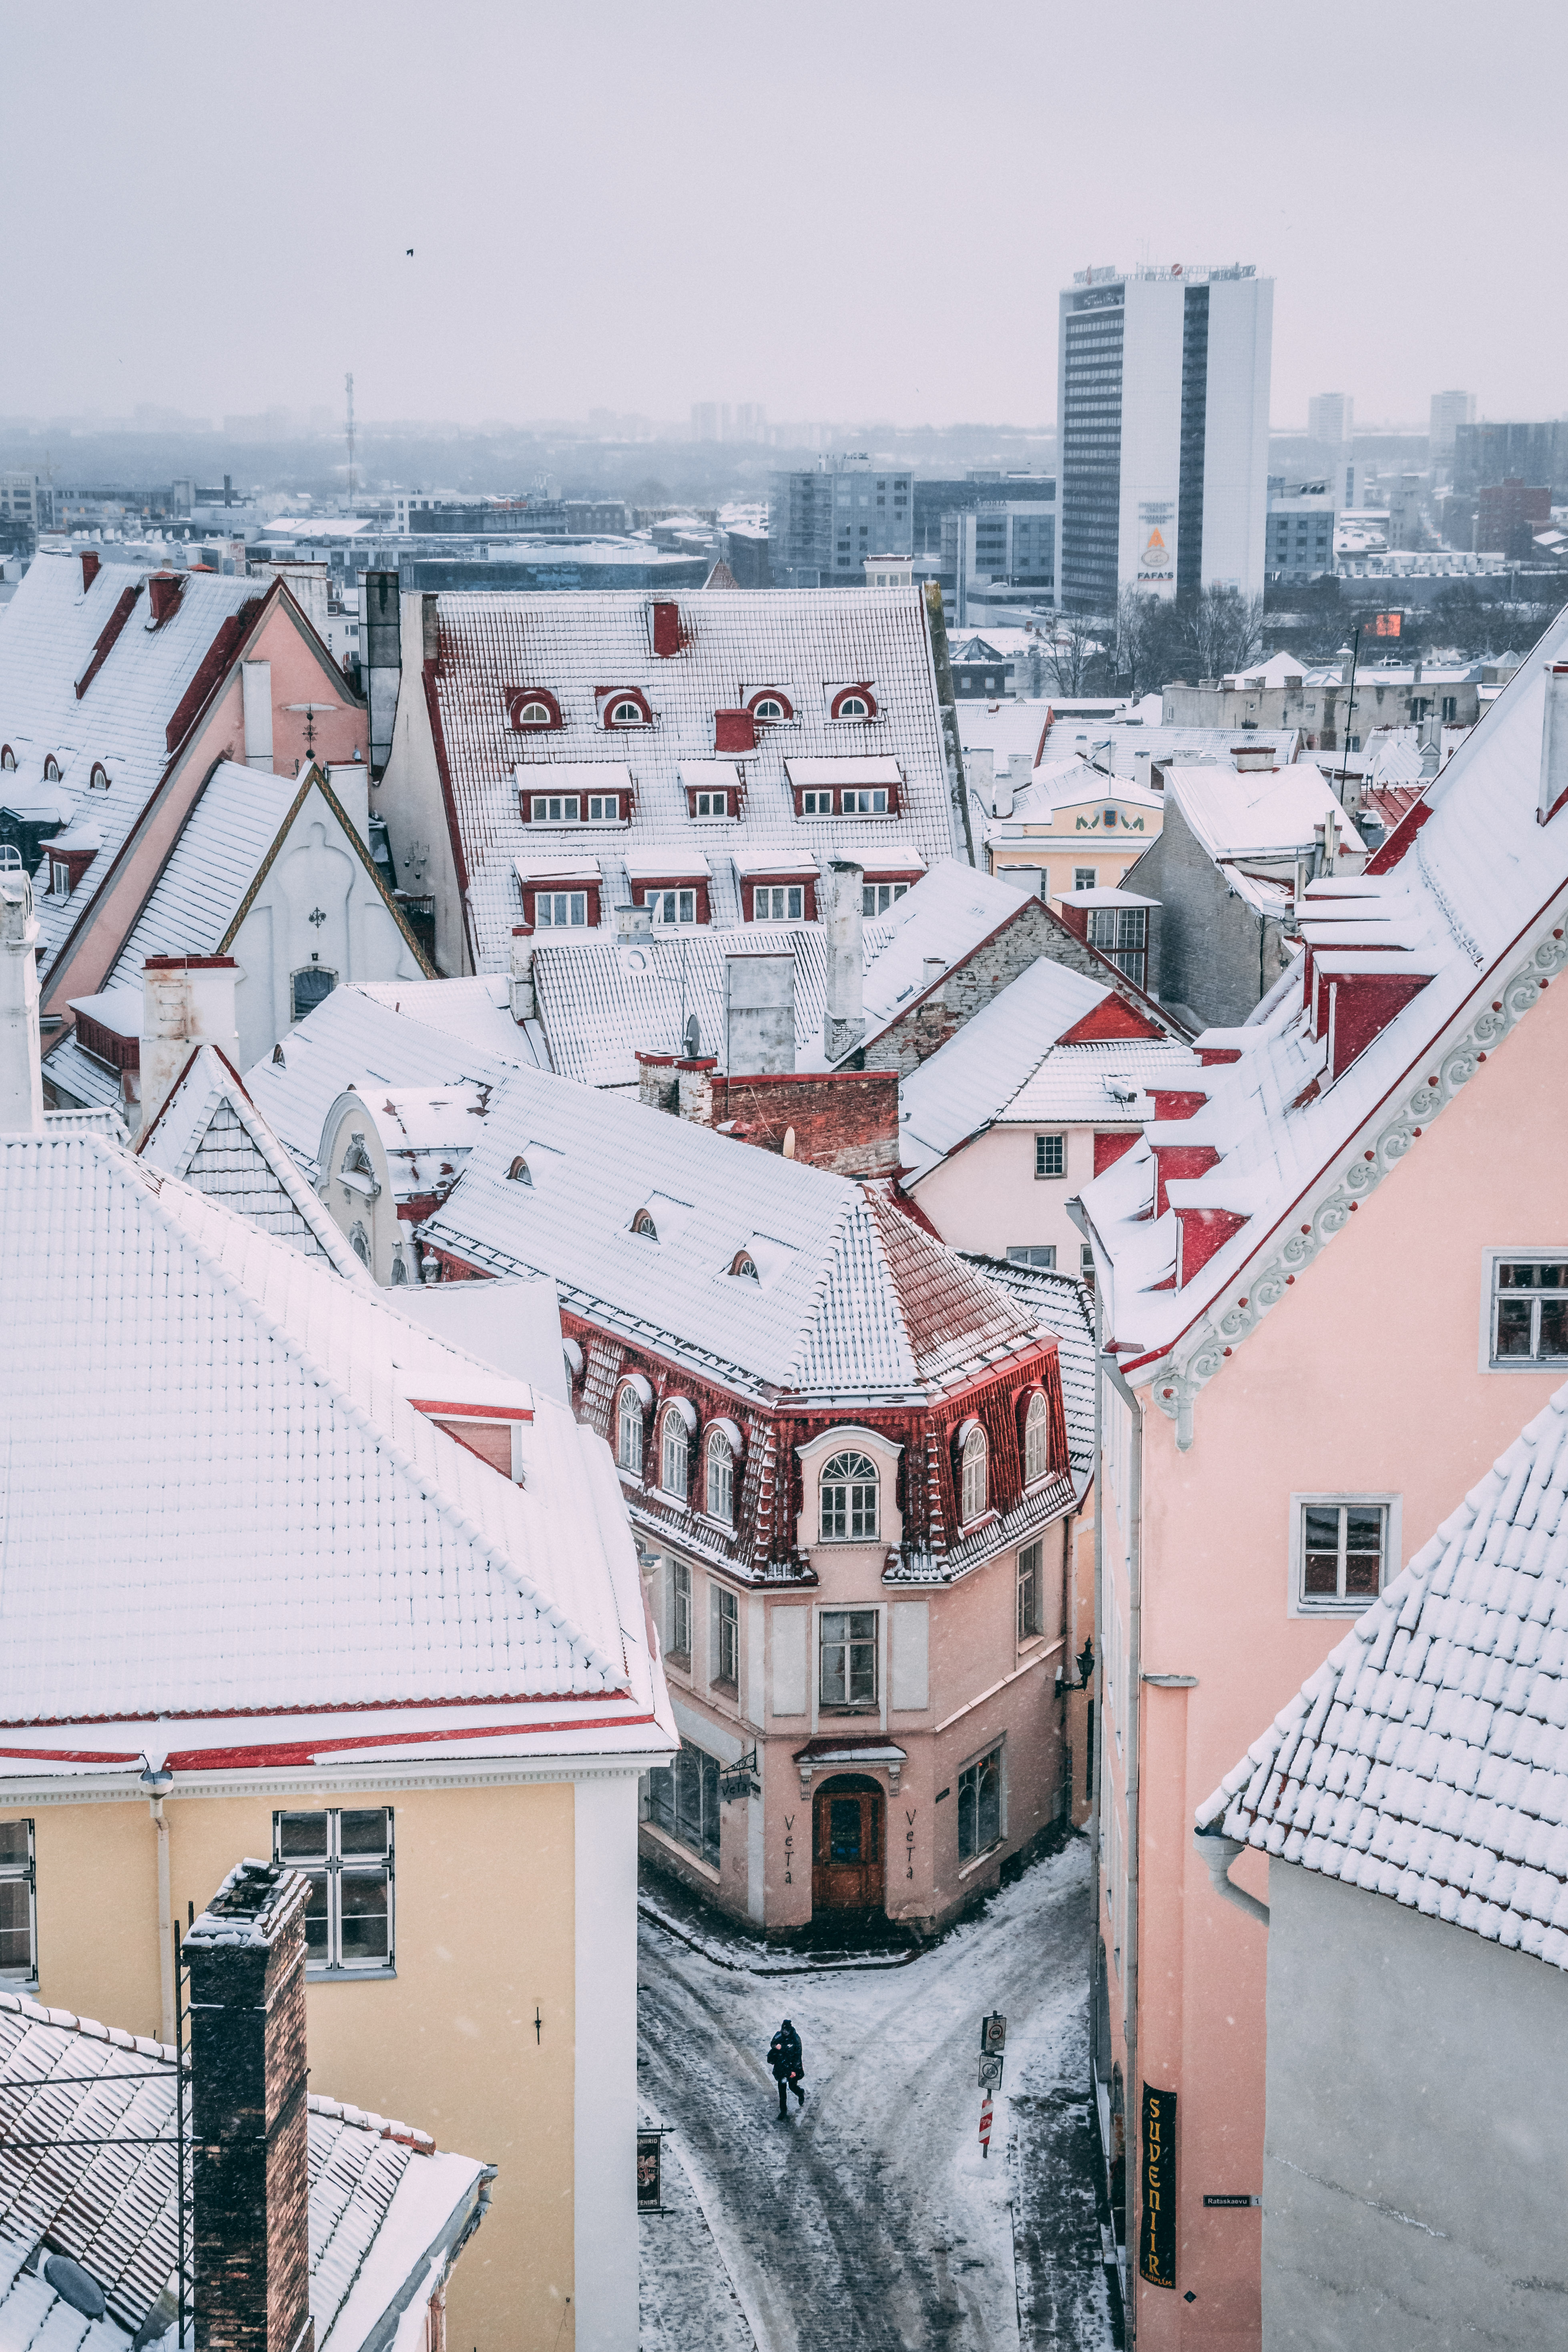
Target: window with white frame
[
  {"x": 853, "y": 706},
  {"x": 863, "y": 803},
  {"x": 850, "y": 1499},
  {"x": 772, "y": 904},
  {"x": 1042, "y": 1254},
  {"x": 1083, "y": 878},
  {"x": 18, "y": 1933},
  {"x": 980, "y": 1806},
  {"x": 726, "y": 1638},
  {"x": 1340, "y": 1544},
  {"x": 627, "y": 714},
  {"x": 769, "y": 706},
  {"x": 681, "y": 1610},
  {"x": 674, "y": 1455},
  {"x": 672, "y": 906},
  {"x": 347, "y": 1856},
  {"x": 535, "y": 714},
  {"x": 1031, "y": 1592},
  {"x": 876, "y": 897},
  {"x": 848, "y": 1658},
  {"x": 711, "y": 805},
  {"x": 720, "y": 1479},
  {"x": 1529, "y": 1309},
  {"x": 59, "y": 878},
  {"x": 603, "y": 808},
  {"x": 975, "y": 1480},
  {"x": 1051, "y": 1155},
  {"x": 557, "y": 808},
  {"x": 560, "y": 910},
  {"x": 629, "y": 1431},
  {"x": 816, "y": 804},
  {"x": 1037, "y": 1438}
]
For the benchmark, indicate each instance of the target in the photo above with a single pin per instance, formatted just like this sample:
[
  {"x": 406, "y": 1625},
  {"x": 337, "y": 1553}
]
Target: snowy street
[{"x": 869, "y": 2219}]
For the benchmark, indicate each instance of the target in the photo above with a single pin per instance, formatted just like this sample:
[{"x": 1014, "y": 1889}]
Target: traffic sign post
[
  {"x": 991, "y": 2074},
  {"x": 994, "y": 2034},
  {"x": 985, "y": 2125}
]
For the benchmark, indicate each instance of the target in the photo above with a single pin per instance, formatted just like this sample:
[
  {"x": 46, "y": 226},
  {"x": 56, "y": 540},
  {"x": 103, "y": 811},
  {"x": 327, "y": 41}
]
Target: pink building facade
[{"x": 1330, "y": 1291}]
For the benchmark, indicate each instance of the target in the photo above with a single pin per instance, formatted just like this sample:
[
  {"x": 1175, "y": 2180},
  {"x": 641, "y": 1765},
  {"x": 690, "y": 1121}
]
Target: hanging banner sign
[
  {"x": 1157, "y": 2227},
  {"x": 1156, "y": 539},
  {"x": 650, "y": 2188}
]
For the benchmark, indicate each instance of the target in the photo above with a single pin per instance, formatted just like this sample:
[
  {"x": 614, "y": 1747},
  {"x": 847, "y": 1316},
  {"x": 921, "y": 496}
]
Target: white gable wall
[{"x": 318, "y": 869}]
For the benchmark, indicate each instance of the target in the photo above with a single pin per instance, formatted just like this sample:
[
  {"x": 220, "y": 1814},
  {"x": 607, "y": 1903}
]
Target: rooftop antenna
[{"x": 349, "y": 388}]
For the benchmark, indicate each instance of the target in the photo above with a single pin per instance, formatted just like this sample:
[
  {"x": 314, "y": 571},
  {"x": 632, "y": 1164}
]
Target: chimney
[
  {"x": 1020, "y": 769},
  {"x": 979, "y": 767},
  {"x": 694, "y": 1088},
  {"x": 91, "y": 565},
  {"x": 666, "y": 630},
  {"x": 633, "y": 923},
  {"x": 21, "y": 1079},
  {"x": 186, "y": 1002},
  {"x": 734, "y": 730},
  {"x": 844, "y": 1015},
  {"x": 163, "y": 590},
  {"x": 1554, "y": 744},
  {"x": 249, "y": 2156},
  {"x": 759, "y": 1014},
  {"x": 657, "y": 1089},
  {"x": 256, "y": 697},
  {"x": 381, "y": 660},
  {"x": 519, "y": 983}
]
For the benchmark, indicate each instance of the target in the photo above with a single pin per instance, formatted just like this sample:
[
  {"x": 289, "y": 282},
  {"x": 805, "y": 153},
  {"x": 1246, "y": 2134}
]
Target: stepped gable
[{"x": 1426, "y": 1760}]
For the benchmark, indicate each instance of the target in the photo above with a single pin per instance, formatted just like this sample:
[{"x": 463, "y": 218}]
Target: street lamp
[{"x": 1086, "y": 1663}]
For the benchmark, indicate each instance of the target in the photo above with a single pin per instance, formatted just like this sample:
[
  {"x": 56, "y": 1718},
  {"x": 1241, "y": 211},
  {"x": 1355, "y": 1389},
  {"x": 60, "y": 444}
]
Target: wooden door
[{"x": 846, "y": 1872}]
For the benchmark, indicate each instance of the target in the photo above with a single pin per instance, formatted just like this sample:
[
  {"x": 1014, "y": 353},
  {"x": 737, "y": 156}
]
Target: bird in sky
[{"x": 411, "y": 253}]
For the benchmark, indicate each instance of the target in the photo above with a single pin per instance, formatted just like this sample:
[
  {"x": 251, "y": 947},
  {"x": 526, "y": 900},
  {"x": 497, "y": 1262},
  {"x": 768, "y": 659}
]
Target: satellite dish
[
  {"x": 74, "y": 2285},
  {"x": 693, "y": 1038}
]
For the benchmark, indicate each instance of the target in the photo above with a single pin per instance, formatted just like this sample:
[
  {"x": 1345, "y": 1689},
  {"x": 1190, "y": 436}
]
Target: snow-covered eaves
[{"x": 1426, "y": 1760}]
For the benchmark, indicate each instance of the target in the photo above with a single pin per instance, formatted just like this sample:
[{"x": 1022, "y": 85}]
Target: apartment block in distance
[{"x": 1162, "y": 403}]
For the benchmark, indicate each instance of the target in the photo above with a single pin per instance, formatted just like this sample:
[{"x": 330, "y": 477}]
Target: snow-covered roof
[
  {"x": 1279, "y": 669},
  {"x": 383, "y": 2200},
  {"x": 1003, "y": 728},
  {"x": 1267, "y": 815},
  {"x": 268, "y": 1517},
  {"x": 807, "y": 646},
  {"x": 603, "y": 1001},
  {"x": 121, "y": 721},
  {"x": 1461, "y": 909},
  {"x": 474, "y": 1012},
  {"x": 1426, "y": 1760}
]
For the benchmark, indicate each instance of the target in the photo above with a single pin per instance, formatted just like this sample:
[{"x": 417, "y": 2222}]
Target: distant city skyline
[{"x": 224, "y": 227}]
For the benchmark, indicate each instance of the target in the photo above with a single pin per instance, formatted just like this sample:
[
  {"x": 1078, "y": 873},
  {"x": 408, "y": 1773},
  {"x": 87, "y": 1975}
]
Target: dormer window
[
  {"x": 626, "y": 714},
  {"x": 7, "y": 757},
  {"x": 629, "y": 1431},
  {"x": 98, "y": 780},
  {"x": 59, "y": 878},
  {"x": 675, "y": 1453},
  {"x": 771, "y": 705},
  {"x": 530, "y": 706},
  {"x": 745, "y": 1266},
  {"x": 643, "y": 1224},
  {"x": 517, "y": 1173},
  {"x": 625, "y": 706},
  {"x": 854, "y": 702},
  {"x": 534, "y": 714},
  {"x": 1037, "y": 1438},
  {"x": 850, "y": 1499},
  {"x": 721, "y": 1499},
  {"x": 51, "y": 769}
]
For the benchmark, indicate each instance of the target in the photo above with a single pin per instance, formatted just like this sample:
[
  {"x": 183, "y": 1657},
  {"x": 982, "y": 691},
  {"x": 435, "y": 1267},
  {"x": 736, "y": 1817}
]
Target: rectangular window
[
  {"x": 876, "y": 897},
  {"x": 726, "y": 1639},
  {"x": 776, "y": 906},
  {"x": 865, "y": 804},
  {"x": 1083, "y": 878},
  {"x": 980, "y": 1806},
  {"x": 1450, "y": 708},
  {"x": 672, "y": 906},
  {"x": 18, "y": 1934},
  {"x": 560, "y": 910},
  {"x": 1032, "y": 1254},
  {"x": 848, "y": 1657},
  {"x": 712, "y": 805},
  {"x": 816, "y": 804},
  {"x": 556, "y": 808},
  {"x": 1051, "y": 1155},
  {"x": 1340, "y": 1545},
  {"x": 681, "y": 1610},
  {"x": 1529, "y": 1311},
  {"x": 1031, "y": 1592},
  {"x": 348, "y": 1858},
  {"x": 59, "y": 878},
  {"x": 603, "y": 808},
  {"x": 683, "y": 1798}
]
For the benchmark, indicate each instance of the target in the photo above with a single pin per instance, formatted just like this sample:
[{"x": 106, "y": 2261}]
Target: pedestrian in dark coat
[{"x": 787, "y": 2060}]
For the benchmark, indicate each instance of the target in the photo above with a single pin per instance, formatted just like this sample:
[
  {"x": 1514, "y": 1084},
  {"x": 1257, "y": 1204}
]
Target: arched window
[
  {"x": 770, "y": 704},
  {"x": 720, "y": 1479},
  {"x": 535, "y": 714},
  {"x": 518, "y": 1173},
  {"x": 674, "y": 1460},
  {"x": 1037, "y": 1438},
  {"x": 627, "y": 710},
  {"x": 98, "y": 780},
  {"x": 850, "y": 1499},
  {"x": 745, "y": 1265},
  {"x": 399, "y": 1271},
  {"x": 643, "y": 1223},
  {"x": 854, "y": 702},
  {"x": 51, "y": 769},
  {"x": 629, "y": 1431},
  {"x": 853, "y": 706},
  {"x": 975, "y": 1480},
  {"x": 7, "y": 757},
  {"x": 361, "y": 1245}
]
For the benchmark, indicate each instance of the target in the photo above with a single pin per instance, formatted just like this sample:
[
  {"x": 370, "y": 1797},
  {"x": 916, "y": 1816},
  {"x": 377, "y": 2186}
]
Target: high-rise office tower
[
  {"x": 1331, "y": 417},
  {"x": 1162, "y": 429},
  {"x": 1449, "y": 410}
]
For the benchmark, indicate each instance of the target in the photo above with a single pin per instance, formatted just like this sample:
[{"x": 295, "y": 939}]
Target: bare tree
[
  {"x": 1224, "y": 630},
  {"x": 1069, "y": 652},
  {"x": 1132, "y": 639}
]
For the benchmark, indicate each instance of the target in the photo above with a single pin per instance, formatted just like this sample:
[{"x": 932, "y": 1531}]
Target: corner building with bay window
[{"x": 848, "y": 1458}]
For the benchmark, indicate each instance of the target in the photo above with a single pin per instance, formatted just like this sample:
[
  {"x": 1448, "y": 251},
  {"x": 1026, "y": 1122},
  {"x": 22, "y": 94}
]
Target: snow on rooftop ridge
[{"x": 1426, "y": 1760}]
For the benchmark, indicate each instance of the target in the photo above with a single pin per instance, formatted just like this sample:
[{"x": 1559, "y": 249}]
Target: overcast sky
[{"x": 842, "y": 208}]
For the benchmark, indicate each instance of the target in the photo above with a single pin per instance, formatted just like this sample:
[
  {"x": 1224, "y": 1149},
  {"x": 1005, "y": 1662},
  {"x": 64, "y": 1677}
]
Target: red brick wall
[{"x": 843, "y": 1120}]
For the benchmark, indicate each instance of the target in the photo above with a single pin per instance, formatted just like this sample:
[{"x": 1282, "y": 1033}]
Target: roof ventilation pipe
[
  {"x": 844, "y": 1012},
  {"x": 519, "y": 977},
  {"x": 21, "y": 1078}
]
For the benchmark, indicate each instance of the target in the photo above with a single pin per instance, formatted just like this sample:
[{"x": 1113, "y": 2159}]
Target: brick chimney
[
  {"x": 91, "y": 565},
  {"x": 186, "y": 1002},
  {"x": 843, "y": 1011},
  {"x": 21, "y": 1080},
  {"x": 165, "y": 590},
  {"x": 666, "y": 630},
  {"x": 734, "y": 730},
  {"x": 250, "y": 2156}
]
